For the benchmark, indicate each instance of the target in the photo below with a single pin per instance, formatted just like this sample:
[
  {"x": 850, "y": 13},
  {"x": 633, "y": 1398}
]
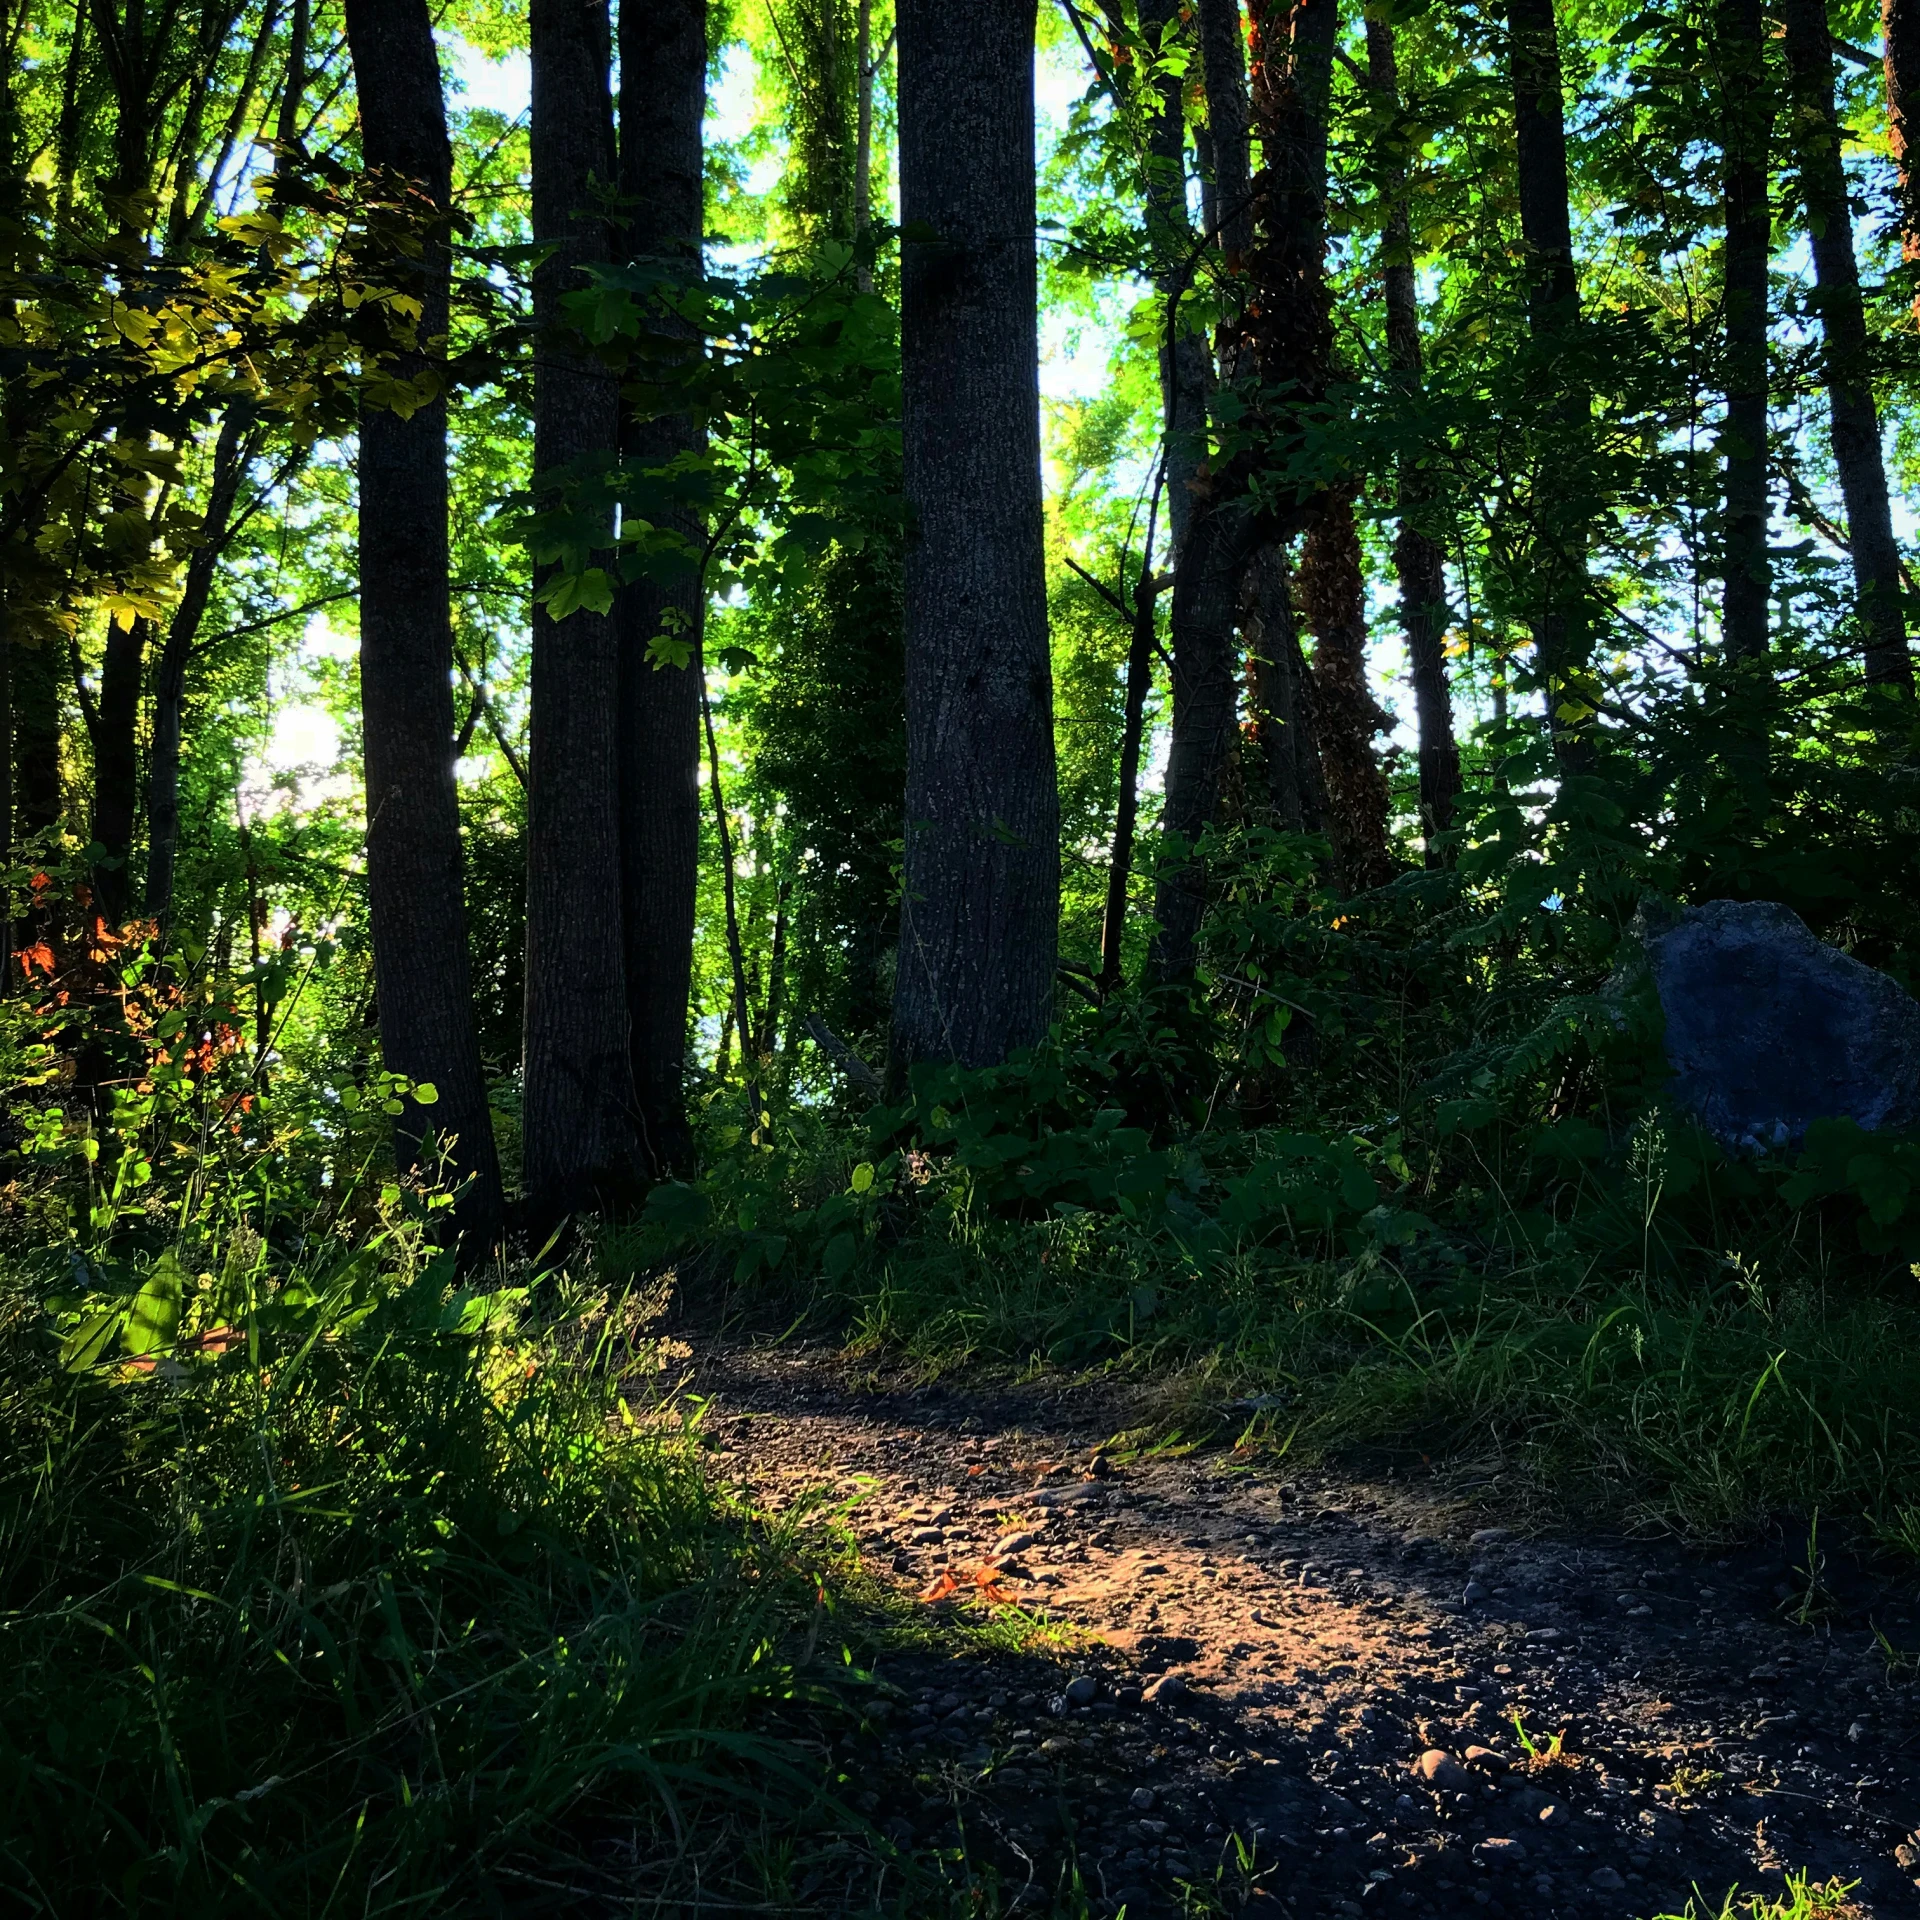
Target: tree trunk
[
  {"x": 1746, "y": 109},
  {"x": 1556, "y": 580},
  {"x": 663, "y": 97},
  {"x": 1283, "y": 696},
  {"x": 1223, "y": 62},
  {"x": 1113, "y": 923},
  {"x": 6, "y": 807},
  {"x": 230, "y": 456},
  {"x": 1900, "y": 34},
  {"x": 116, "y": 769},
  {"x": 1346, "y": 715},
  {"x": 980, "y": 907},
  {"x": 36, "y": 683},
  {"x": 1418, "y": 561},
  {"x": 1283, "y": 336},
  {"x": 1849, "y": 371},
  {"x": 1185, "y": 368},
  {"x": 578, "y": 1100},
  {"x": 1540, "y": 132},
  {"x": 415, "y": 872}
]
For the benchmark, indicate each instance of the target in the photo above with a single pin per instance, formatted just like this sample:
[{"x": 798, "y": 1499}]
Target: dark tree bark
[
  {"x": 230, "y": 456},
  {"x": 1223, "y": 64},
  {"x": 663, "y": 97},
  {"x": 578, "y": 1101},
  {"x": 1113, "y": 921},
  {"x": 1900, "y": 34},
  {"x": 1848, "y": 367},
  {"x": 415, "y": 871},
  {"x": 1746, "y": 109},
  {"x": 1185, "y": 365},
  {"x": 115, "y": 729},
  {"x": 36, "y": 687},
  {"x": 1282, "y": 335},
  {"x": 1346, "y": 716},
  {"x": 1539, "y": 116},
  {"x": 1417, "y": 558},
  {"x": 980, "y": 907},
  {"x": 1283, "y": 697},
  {"x": 1556, "y": 562}
]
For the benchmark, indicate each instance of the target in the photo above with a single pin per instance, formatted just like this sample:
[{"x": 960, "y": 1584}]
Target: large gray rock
[{"x": 1768, "y": 1028}]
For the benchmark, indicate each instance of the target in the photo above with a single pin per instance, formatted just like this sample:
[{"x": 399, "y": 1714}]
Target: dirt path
[{"x": 1323, "y": 1673}]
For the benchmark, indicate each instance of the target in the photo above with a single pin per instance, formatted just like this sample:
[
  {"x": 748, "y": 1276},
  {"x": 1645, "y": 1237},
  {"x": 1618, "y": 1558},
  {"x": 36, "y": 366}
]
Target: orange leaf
[
  {"x": 987, "y": 1579},
  {"x": 971, "y": 1471},
  {"x": 942, "y": 1588}
]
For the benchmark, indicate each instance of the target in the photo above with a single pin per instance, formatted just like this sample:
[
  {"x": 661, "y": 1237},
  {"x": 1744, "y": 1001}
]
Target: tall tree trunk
[
  {"x": 1540, "y": 130},
  {"x": 1283, "y": 696},
  {"x": 1346, "y": 715},
  {"x": 1281, "y": 335},
  {"x": 37, "y": 786},
  {"x": 6, "y": 807},
  {"x": 293, "y": 92},
  {"x": 1900, "y": 35},
  {"x": 1746, "y": 113},
  {"x": 1848, "y": 367},
  {"x": 1556, "y": 561},
  {"x": 415, "y": 871},
  {"x": 578, "y": 1100},
  {"x": 1113, "y": 923},
  {"x": 1185, "y": 367},
  {"x": 980, "y": 906},
  {"x": 230, "y": 456},
  {"x": 663, "y": 97},
  {"x": 1223, "y": 64},
  {"x": 116, "y": 768},
  {"x": 1418, "y": 561},
  {"x": 36, "y": 684}
]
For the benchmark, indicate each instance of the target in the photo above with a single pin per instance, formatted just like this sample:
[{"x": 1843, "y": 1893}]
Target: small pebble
[
  {"x": 1170, "y": 1686},
  {"x": 1606, "y": 1879},
  {"x": 1141, "y": 1800},
  {"x": 1082, "y": 1690},
  {"x": 1441, "y": 1771}
]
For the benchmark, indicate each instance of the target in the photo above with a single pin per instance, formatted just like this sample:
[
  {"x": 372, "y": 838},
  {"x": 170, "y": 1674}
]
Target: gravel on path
[{"x": 1300, "y": 1690}]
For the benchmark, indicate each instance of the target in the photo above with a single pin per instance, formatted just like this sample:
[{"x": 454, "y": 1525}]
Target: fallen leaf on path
[{"x": 954, "y": 1580}]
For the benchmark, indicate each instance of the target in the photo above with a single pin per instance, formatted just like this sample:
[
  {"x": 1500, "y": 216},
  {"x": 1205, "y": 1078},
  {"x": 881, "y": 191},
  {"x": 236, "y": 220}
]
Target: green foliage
[{"x": 329, "y": 1577}]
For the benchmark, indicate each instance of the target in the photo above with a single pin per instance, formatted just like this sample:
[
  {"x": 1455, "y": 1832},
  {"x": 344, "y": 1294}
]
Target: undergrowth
[
  {"x": 1405, "y": 1170},
  {"x": 1804, "y": 1899},
  {"x": 329, "y": 1585}
]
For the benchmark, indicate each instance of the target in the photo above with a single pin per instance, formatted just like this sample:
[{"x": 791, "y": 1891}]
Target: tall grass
[
  {"x": 1706, "y": 1394},
  {"x": 360, "y": 1595}
]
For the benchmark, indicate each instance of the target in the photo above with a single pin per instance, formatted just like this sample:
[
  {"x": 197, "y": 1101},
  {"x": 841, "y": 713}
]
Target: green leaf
[
  {"x": 154, "y": 1319},
  {"x": 84, "y": 1347},
  {"x": 591, "y": 589}
]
